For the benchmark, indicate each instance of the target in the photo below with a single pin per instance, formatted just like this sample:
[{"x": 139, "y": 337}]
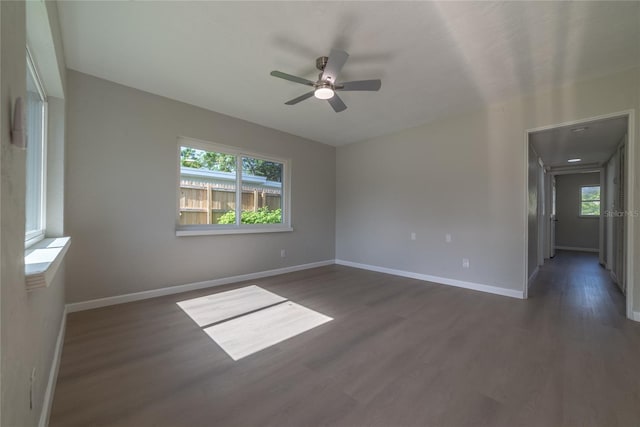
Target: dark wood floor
[{"x": 400, "y": 352}]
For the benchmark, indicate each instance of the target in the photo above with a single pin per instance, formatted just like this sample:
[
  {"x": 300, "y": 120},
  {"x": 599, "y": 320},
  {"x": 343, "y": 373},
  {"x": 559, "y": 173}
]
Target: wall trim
[
  {"x": 170, "y": 290},
  {"x": 53, "y": 373},
  {"x": 441, "y": 280},
  {"x": 573, "y": 248}
]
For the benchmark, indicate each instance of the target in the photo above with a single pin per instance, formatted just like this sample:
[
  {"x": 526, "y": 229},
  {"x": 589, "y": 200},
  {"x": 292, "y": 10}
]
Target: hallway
[
  {"x": 583, "y": 288},
  {"x": 595, "y": 346}
]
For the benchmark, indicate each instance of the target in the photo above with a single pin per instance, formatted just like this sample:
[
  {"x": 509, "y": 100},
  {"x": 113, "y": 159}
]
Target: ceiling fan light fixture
[
  {"x": 324, "y": 92},
  {"x": 327, "y": 84}
]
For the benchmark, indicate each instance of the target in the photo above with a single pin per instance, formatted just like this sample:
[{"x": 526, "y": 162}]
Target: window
[
  {"x": 590, "y": 200},
  {"x": 224, "y": 190},
  {"x": 36, "y": 124}
]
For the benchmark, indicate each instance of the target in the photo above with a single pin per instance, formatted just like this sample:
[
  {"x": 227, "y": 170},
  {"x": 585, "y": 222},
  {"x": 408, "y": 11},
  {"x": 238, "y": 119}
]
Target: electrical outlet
[
  {"x": 413, "y": 236},
  {"x": 283, "y": 253},
  {"x": 465, "y": 262},
  {"x": 447, "y": 238}
]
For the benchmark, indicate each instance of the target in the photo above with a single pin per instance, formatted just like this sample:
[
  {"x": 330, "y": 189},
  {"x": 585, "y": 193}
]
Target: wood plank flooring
[{"x": 399, "y": 352}]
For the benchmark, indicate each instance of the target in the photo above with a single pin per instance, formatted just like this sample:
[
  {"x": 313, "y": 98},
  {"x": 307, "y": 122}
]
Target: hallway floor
[{"x": 577, "y": 279}]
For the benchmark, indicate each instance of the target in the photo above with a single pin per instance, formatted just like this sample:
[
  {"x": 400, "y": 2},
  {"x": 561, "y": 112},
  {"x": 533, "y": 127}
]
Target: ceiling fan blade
[
  {"x": 336, "y": 61},
  {"x": 336, "y": 103},
  {"x": 291, "y": 78},
  {"x": 373, "y": 85},
  {"x": 300, "y": 98}
]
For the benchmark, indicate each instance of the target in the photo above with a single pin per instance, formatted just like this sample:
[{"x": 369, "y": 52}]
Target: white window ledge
[
  {"x": 235, "y": 230},
  {"x": 42, "y": 260}
]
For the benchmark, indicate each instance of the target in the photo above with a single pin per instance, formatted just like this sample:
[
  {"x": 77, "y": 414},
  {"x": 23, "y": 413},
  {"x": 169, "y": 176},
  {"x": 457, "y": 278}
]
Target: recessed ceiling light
[
  {"x": 580, "y": 129},
  {"x": 574, "y": 160}
]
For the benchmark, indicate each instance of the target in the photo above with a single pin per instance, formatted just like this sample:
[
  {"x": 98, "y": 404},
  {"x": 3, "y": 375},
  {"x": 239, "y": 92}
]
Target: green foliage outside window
[
  {"x": 590, "y": 201},
  {"x": 200, "y": 159},
  {"x": 261, "y": 216}
]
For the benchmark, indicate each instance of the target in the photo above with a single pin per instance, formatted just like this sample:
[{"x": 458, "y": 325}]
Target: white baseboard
[
  {"x": 441, "y": 280},
  {"x": 533, "y": 275},
  {"x": 53, "y": 374},
  {"x": 572, "y": 248},
  {"x": 121, "y": 299},
  {"x": 636, "y": 316}
]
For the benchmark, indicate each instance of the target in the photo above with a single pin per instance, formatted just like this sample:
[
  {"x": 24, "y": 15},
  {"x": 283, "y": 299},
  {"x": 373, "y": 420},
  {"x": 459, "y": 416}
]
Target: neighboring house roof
[{"x": 226, "y": 180}]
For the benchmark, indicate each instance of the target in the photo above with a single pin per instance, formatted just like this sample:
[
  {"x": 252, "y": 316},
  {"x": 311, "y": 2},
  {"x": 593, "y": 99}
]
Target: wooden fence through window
[{"x": 205, "y": 203}]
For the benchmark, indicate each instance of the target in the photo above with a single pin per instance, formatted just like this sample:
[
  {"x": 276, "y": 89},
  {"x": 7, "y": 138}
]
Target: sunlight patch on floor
[
  {"x": 249, "y": 334},
  {"x": 246, "y": 320},
  {"x": 215, "y": 308}
]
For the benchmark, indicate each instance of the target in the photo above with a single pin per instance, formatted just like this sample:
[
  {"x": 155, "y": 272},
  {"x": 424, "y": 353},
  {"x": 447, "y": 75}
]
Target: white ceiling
[
  {"x": 594, "y": 145},
  {"x": 433, "y": 58}
]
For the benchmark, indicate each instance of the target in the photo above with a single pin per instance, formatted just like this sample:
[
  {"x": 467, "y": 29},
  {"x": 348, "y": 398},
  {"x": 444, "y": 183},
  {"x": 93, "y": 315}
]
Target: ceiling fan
[{"x": 327, "y": 86}]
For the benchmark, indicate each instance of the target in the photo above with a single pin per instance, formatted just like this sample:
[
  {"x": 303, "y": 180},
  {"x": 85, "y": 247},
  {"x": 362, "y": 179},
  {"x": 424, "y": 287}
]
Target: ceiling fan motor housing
[
  {"x": 324, "y": 85},
  {"x": 321, "y": 62}
]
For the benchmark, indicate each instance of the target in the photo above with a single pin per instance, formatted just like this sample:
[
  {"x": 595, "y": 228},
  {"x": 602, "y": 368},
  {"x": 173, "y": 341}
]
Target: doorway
[{"x": 588, "y": 162}]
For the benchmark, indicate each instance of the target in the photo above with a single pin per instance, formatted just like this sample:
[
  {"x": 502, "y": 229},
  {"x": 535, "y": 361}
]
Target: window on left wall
[{"x": 36, "y": 124}]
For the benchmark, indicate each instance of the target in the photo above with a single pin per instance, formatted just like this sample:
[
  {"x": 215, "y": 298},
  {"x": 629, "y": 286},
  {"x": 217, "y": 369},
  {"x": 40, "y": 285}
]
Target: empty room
[{"x": 318, "y": 213}]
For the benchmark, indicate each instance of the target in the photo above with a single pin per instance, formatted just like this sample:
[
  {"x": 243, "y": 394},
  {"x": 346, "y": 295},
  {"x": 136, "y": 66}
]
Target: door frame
[
  {"x": 630, "y": 200},
  {"x": 552, "y": 216}
]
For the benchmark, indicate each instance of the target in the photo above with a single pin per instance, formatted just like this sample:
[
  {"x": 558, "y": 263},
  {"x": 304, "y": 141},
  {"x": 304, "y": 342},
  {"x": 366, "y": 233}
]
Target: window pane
[
  {"x": 35, "y": 142},
  {"x": 207, "y": 187},
  {"x": 590, "y": 208},
  {"x": 261, "y": 191},
  {"x": 218, "y": 188},
  {"x": 591, "y": 193},
  {"x": 590, "y": 200}
]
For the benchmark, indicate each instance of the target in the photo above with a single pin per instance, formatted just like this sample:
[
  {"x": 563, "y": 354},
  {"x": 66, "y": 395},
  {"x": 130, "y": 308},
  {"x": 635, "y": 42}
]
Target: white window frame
[
  {"x": 35, "y": 236},
  {"x": 582, "y": 201},
  {"x": 237, "y": 228}
]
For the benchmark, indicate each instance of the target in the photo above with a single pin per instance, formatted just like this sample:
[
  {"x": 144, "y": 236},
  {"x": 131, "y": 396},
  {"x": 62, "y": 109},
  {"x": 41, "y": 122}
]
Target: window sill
[
  {"x": 238, "y": 230},
  {"x": 33, "y": 239},
  {"x": 42, "y": 260},
  {"x": 589, "y": 216}
]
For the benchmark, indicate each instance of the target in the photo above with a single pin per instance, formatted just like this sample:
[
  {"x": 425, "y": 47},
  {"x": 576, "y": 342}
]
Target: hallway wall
[{"x": 533, "y": 215}]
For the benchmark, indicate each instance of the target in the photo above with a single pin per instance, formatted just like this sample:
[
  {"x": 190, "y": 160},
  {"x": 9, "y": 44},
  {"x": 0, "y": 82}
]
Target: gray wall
[
  {"x": 571, "y": 229},
  {"x": 464, "y": 175},
  {"x": 121, "y": 194},
  {"x": 30, "y": 320}
]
